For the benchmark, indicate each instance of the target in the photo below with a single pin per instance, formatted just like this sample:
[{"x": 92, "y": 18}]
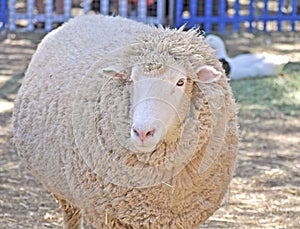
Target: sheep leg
[{"x": 72, "y": 215}]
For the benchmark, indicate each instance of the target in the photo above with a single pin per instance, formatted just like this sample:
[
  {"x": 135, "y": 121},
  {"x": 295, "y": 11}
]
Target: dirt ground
[{"x": 265, "y": 190}]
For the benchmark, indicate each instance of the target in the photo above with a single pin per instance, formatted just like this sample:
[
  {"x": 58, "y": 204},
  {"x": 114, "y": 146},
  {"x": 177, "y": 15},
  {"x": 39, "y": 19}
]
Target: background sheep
[
  {"x": 74, "y": 124},
  {"x": 250, "y": 64}
]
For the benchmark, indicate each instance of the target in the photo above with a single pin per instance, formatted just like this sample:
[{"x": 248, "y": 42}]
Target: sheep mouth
[{"x": 141, "y": 148}]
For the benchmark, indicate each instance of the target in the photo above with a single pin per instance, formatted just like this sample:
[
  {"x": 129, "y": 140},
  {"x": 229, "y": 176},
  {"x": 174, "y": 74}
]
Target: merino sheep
[{"x": 128, "y": 125}]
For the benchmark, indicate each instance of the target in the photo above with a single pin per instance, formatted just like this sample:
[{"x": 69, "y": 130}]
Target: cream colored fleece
[{"x": 68, "y": 113}]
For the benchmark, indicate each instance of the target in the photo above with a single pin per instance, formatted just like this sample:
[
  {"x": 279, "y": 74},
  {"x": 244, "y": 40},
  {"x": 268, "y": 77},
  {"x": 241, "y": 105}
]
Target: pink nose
[{"x": 142, "y": 134}]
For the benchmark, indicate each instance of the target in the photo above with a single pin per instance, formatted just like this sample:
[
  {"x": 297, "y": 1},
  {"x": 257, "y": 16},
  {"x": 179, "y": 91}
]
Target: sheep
[
  {"x": 128, "y": 125},
  {"x": 250, "y": 64}
]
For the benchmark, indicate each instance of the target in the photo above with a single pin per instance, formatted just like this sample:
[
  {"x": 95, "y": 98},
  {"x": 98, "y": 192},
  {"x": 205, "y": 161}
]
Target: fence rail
[{"x": 211, "y": 15}]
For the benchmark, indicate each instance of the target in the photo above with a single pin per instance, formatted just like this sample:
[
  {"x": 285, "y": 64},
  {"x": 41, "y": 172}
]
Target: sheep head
[
  {"x": 161, "y": 98},
  {"x": 156, "y": 106}
]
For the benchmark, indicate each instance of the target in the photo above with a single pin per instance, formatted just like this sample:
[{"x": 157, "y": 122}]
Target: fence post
[
  {"x": 49, "y": 12},
  {"x": 251, "y": 15},
  {"x": 142, "y": 10},
  {"x": 265, "y": 14},
  {"x": 30, "y": 8},
  {"x": 294, "y": 12},
  {"x": 171, "y": 19},
  {"x": 3, "y": 13},
  {"x": 123, "y": 6},
  {"x": 86, "y": 6},
  {"x": 193, "y": 8},
  {"x": 67, "y": 9},
  {"x": 161, "y": 11},
  {"x": 222, "y": 12},
  {"x": 236, "y": 24},
  {"x": 179, "y": 9},
  {"x": 279, "y": 15},
  {"x": 208, "y": 15},
  {"x": 12, "y": 15},
  {"x": 104, "y": 7}
]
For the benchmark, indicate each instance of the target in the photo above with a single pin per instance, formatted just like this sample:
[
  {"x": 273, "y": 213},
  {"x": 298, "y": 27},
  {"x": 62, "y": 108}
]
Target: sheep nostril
[
  {"x": 143, "y": 135},
  {"x": 136, "y": 132},
  {"x": 150, "y": 133}
]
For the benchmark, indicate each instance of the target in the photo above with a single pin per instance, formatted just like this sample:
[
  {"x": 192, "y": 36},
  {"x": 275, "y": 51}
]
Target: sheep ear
[
  {"x": 114, "y": 71},
  {"x": 207, "y": 74}
]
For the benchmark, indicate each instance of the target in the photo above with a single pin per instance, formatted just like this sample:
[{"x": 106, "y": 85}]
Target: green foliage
[{"x": 270, "y": 95}]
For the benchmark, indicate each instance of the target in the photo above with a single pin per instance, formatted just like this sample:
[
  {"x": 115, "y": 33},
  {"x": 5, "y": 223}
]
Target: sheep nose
[{"x": 143, "y": 134}]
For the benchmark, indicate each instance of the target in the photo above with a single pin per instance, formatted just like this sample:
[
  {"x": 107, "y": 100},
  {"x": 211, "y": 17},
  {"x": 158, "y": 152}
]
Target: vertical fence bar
[
  {"x": 279, "y": 15},
  {"x": 104, "y": 7},
  {"x": 222, "y": 16},
  {"x": 208, "y": 15},
  {"x": 30, "y": 15},
  {"x": 265, "y": 13},
  {"x": 193, "y": 8},
  {"x": 142, "y": 10},
  {"x": 86, "y": 6},
  {"x": 160, "y": 11},
  {"x": 178, "y": 14},
  {"x": 12, "y": 15},
  {"x": 171, "y": 17},
  {"x": 49, "y": 15},
  {"x": 294, "y": 12},
  {"x": 67, "y": 9},
  {"x": 236, "y": 23},
  {"x": 3, "y": 13},
  {"x": 123, "y": 6},
  {"x": 251, "y": 15}
]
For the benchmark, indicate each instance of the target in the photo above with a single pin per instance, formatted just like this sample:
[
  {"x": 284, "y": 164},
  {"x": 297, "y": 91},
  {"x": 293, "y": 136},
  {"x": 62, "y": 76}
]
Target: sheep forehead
[{"x": 159, "y": 71}]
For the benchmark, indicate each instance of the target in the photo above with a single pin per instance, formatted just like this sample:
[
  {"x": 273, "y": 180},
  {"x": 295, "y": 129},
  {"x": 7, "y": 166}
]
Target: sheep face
[{"x": 161, "y": 102}]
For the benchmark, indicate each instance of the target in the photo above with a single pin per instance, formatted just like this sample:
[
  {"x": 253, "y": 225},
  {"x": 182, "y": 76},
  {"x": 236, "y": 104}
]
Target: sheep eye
[{"x": 180, "y": 82}]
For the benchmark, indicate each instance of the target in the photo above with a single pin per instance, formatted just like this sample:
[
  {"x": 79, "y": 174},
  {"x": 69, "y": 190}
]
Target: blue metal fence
[
  {"x": 31, "y": 16},
  {"x": 211, "y": 15},
  {"x": 3, "y": 13},
  {"x": 237, "y": 15},
  {"x": 149, "y": 11}
]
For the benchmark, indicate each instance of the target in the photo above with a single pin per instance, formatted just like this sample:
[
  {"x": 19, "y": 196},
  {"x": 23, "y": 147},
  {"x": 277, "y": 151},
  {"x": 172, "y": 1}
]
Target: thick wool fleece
[{"x": 68, "y": 113}]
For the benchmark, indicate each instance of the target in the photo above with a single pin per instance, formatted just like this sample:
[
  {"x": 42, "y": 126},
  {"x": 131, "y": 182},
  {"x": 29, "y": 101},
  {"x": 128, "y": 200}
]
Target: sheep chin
[{"x": 147, "y": 149}]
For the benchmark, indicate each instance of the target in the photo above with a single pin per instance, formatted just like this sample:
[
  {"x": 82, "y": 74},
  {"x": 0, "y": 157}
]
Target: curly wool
[
  {"x": 162, "y": 48},
  {"x": 172, "y": 47},
  {"x": 68, "y": 114}
]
